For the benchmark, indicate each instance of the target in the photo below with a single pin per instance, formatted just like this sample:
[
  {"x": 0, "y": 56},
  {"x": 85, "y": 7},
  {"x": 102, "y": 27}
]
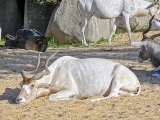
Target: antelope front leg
[
  {"x": 156, "y": 75},
  {"x": 155, "y": 72},
  {"x": 62, "y": 95},
  {"x": 156, "y": 69},
  {"x": 42, "y": 92}
]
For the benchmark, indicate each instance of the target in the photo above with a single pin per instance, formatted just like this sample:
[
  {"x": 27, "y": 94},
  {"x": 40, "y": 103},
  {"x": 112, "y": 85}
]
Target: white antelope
[
  {"x": 118, "y": 9},
  {"x": 69, "y": 77}
]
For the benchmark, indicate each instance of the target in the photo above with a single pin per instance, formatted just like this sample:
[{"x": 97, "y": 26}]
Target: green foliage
[
  {"x": 113, "y": 36},
  {"x": 68, "y": 40},
  {"x": 120, "y": 30},
  {"x": 136, "y": 30},
  {"x": 52, "y": 43},
  {"x": 2, "y": 41},
  {"x": 102, "y": 40}
]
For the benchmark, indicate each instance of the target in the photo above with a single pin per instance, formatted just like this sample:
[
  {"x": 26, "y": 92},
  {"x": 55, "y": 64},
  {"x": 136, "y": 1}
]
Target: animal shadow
[{"x": 10, "y": 95}]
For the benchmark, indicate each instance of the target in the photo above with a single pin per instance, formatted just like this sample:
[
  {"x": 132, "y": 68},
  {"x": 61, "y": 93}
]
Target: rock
[
  {"x": 137, "y": 23},
  {"x": 64, "y": 25},
  {"x": 38, "y": 13},
  {"x": 140, "y": 23},
  {"x": 0, "y": 32},
  {"x": 11, "y": 18}
]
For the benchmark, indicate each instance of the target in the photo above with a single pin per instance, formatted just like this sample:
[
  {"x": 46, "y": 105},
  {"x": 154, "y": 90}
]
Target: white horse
[{"x": 108, "y": 9}]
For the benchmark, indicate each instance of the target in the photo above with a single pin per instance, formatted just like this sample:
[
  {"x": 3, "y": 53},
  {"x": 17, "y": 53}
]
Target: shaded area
[
  {"x": 10, "y": 95},
  {"x": 38, "y": 13},
  {"x": 21, "y": 5}
]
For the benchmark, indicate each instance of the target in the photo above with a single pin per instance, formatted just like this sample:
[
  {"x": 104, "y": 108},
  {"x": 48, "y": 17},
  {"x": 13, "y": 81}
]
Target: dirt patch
[{"x": 146, "y": 106}]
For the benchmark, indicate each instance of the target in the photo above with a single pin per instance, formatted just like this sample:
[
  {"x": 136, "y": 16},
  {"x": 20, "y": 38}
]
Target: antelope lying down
[
  {"x": 150, "y": 48},
  {"x": 108, "y": 9},
  {"x": 69, "y": 77}
]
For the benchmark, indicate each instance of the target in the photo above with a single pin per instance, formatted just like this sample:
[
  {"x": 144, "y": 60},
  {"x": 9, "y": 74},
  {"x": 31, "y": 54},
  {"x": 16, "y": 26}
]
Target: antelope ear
[{"x": 139, "y": 43}]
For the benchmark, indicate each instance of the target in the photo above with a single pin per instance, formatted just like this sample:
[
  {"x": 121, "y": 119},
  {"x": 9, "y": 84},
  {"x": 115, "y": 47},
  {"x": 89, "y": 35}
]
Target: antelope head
[
  {"x": 156, "y": 9},
  {"x": 29, "y": 87},
  {"x": 144, "y": 53}
]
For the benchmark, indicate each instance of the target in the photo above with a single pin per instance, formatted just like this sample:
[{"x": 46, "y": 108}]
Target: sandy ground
[{"x": 146, "y": 106}]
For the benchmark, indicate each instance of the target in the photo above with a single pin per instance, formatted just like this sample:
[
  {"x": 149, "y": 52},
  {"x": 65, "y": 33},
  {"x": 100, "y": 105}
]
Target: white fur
[
  {"x": 27, "y": 88},
  {"x": 108, "y": 9},
  {"x": 155, "y": 24},
  {"x": 23, "y": 100},
  {"x": 71, "y": 77}
]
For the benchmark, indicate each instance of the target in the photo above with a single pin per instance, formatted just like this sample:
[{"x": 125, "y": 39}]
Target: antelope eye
[
  {"x": 32, "y": 85},
  {"x": 21, "y": 84}
]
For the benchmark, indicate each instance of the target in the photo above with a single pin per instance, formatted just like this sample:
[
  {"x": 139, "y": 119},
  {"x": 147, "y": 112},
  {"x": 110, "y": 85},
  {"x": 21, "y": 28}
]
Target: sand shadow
[{"x": 10, "y": 95}]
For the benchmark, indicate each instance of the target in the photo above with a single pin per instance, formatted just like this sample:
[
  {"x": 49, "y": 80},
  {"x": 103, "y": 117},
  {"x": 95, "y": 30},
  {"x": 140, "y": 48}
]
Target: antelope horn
[
  {"x": 24, "y": 73},
  {"x": 156, "y": 1},
  {"x": 150, "y": 24},
  {"x": 40, "y": 74},
  {"x": 154, "y": 36},
  {"x": 144, "y": 37}
]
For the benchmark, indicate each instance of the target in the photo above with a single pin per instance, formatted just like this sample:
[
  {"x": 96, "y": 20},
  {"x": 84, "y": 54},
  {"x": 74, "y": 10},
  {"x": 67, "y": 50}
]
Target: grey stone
[
  {"x": 65, "y": 20},
  {"x": 136, "y": 23},
  {"x": 38, "y": 13},
  {"x": 140, "y": 23},
  {"x": 10, "y": 17}
]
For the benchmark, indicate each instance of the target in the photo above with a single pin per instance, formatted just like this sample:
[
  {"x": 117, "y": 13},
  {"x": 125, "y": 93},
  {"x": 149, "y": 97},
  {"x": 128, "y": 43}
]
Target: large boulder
[
  {"x": 137, "y": 23},
  {"x": 11, "y": 18},
  {"x": 38, "y": 13},
  {"x": 64, "y": 24}
]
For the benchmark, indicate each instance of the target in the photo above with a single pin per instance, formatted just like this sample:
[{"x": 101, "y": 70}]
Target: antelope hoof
[{"x": 85, "y": 45}]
